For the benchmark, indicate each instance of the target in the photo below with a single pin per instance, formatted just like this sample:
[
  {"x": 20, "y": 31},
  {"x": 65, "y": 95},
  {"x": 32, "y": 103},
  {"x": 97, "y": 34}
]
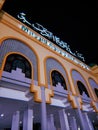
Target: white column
[
  {"x": 51, "y": 125},
  {"x": 28, "y": 120},
  {"x": 63, "y": 120},
  {"x": 43, "y": 110},
  {"x": 80, "y": 119},
  {"x": 88, "y": 122},
  {"x": 15, "y": 121},
  {"x": 72, "y": 123}
]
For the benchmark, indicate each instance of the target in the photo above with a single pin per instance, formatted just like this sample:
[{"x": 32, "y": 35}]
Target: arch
[
  {"x": 16, "y": 46},
  {"x": 14, "y": 61},
  {"x": 79, "y": 81},
  {"x": 96, "y": 91},
  {"x": 53, "y": 64},
  {"x": 94, "y": 86},
  {"x": 82, "y": 88},
  {"x": 93, "y": 83},
  {"x": 57, "y": 77}
]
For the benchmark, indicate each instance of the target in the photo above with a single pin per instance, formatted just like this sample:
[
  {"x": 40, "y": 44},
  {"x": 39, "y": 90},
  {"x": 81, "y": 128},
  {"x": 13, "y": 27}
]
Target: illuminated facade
[{"x": 40, "y": 88}]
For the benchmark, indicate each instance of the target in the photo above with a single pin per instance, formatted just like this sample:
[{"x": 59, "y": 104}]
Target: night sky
[{"x": 74, "y": 23}]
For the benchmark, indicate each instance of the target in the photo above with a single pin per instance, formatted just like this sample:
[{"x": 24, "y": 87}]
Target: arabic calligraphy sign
[
  {"x": 46, "y": 42},
  {"x": 44, "y": 32}
]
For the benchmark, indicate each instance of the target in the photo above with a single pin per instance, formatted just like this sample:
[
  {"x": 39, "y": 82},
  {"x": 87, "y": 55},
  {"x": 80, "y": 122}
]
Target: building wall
[{"x": 43, "y": 61}]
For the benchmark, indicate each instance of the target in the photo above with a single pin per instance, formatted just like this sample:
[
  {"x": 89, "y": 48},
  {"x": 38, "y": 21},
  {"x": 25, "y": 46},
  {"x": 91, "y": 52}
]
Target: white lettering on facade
[
  {"x": 44, "y": 32},
  {"x": 53, "y": 47}
]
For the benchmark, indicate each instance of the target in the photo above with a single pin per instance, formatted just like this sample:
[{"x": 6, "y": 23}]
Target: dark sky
[{"x": 74, "y": 23}]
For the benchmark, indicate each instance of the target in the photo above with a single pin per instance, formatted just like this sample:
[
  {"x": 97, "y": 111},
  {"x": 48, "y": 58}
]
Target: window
[
  {"x": 82, "y": 88},
  {"x": 96, "y": 91},
  {"x": 58, "y": 78},
  {"x": 14, "y": 61}
]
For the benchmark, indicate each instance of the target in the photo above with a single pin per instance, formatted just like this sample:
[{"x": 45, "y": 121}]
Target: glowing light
[
  {"x": 2, "y": 115},
  {"x": 44, "y": 32},
  {"x": 53, "y": 47}
]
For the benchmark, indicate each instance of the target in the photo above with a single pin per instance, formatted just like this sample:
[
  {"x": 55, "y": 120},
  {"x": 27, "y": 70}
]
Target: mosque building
[{"x": 43, "y": 87}]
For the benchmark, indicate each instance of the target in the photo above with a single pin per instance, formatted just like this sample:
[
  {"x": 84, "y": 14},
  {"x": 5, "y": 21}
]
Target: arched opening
[
  {"x": 58, "y": 78},
  {"x": 96, "y": 91},
  {"x": 14, "y": 61},
  {"x": 82, "y": 89}
]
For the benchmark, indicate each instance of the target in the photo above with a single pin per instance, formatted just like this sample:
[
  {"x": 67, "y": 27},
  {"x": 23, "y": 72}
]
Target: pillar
[
  {"x": 63, "y": 120},
  {"x": 80, "y": 119},
  {"x": 28, "y": 119},
  {"x": 51, "y": 125},
  {"x": 97, "y": 116},
  {"x": 43, "y": 110},
  {"x": 72, "y": 123},
  {"x": 15, "y": 121},
  {"x": 88, "y": 122}
]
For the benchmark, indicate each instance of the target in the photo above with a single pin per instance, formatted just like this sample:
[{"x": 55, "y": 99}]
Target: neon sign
[
  {"x": 44, "y": 32},
  {"x": 52, "y": 46}
]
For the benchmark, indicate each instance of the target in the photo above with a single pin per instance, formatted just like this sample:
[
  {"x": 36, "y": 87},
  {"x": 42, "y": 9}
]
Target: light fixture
[{"x": 2, "y": 115}]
